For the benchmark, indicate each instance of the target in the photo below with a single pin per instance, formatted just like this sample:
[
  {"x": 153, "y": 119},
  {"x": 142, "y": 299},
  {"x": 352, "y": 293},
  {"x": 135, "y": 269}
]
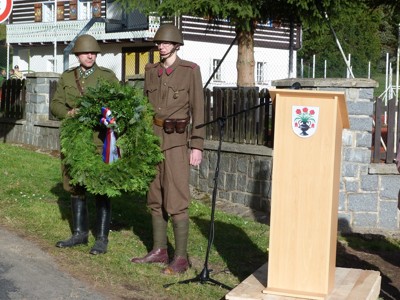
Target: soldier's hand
[
  {"x": 72, "y": 112},
  {"x": 196, "y": 156}
]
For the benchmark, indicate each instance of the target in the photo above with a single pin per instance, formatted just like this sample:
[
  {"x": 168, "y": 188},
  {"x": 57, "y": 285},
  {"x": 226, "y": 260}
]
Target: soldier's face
[
  {"x": 87, "y": 59},
  {"x": 165, "y": 48}
]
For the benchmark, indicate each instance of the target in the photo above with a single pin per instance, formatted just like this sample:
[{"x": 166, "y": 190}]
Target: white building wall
[
  {"x": 203, "y": 54},
  {"x": 277, "y": 62},
  {"x": 40, "y": 59}
]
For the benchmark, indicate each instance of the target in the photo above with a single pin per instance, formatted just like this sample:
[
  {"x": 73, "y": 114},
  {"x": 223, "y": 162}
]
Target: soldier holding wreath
[{"x": 72, "y": 85}]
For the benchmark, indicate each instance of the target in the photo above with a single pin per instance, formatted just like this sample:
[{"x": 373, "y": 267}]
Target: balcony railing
[{"x": 68, "y": 30}]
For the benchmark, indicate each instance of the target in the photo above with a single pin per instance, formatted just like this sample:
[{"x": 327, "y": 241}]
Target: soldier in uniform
[
  {"x": 174, "y": 88},
  {"x": 72, "y": 84}
]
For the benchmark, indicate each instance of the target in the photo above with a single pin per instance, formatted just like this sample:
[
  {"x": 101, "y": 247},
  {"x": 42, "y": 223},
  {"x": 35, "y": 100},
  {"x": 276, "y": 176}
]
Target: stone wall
[
  {"x": 369, "y": 193},
  {"x": 36, "y": 129},
  {"x": 244, "y": 174}
]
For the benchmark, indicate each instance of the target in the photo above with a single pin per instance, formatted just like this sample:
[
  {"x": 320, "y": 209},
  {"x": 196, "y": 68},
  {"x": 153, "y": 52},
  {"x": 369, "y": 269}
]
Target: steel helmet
[
  {"x": 168, "y": 33},
  {"x": 86, "y": 43}
]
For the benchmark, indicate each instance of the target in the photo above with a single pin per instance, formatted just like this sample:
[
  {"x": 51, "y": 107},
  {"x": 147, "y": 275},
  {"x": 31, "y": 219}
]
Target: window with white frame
[
  {"x": 48, "y": 12},
  {"x": 217, "y": 74},
  {"x": 261, "y": 72},
  {"x": 84, "y": 10}
]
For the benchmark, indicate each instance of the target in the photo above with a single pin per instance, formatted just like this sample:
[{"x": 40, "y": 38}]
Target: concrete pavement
[{"x": 26, "y": 272}]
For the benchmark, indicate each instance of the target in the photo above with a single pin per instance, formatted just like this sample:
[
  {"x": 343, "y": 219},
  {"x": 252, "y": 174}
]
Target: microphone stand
[{"x": 204, "y": 275}]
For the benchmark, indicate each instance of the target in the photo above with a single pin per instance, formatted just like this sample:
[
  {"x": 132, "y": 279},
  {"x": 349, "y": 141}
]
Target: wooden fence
[
  {"x": 12, "y": 103},
  {"x": 386, "y": 131},
  {"x": 243, "y": 114},
  {"x": 239, "y": 115}
]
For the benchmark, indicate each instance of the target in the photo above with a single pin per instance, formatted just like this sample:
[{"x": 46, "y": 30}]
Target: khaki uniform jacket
[
  {"x": 176, "y": 93},
  {"x": 67, "y": 90},
  {"x": 67, "y": 93}
]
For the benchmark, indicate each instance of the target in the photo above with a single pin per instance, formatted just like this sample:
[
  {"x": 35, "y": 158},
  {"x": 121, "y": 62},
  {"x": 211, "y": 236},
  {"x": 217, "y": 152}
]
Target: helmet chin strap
[{"x": 174, "y": 49}]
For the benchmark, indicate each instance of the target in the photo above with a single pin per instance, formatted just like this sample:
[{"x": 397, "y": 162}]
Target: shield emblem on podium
[{"x": 305, "y": 120}]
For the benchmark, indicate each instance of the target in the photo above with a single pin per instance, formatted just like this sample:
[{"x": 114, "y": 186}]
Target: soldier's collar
[
  {"x": 168, "y": 70},
  {"x": 87, "y": 73}
]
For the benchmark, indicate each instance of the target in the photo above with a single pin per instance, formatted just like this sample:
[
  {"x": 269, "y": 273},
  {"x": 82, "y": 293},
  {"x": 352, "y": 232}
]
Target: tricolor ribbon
[{"x": 110, "y": 150}]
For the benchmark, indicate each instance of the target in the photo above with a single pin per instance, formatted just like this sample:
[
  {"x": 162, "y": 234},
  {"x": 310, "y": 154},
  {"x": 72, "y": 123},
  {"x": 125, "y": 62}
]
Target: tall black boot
[
  {"x": 80, "y": 223},
  {"x": 103, "y": 219}
]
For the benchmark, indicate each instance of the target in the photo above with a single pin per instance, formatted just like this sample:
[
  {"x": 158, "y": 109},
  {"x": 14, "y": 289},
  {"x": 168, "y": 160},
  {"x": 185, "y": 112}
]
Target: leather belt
[{"x": 158, "y": 122}]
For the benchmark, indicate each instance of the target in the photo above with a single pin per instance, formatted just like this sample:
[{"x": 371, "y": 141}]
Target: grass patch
[
  {"x": 371, "y": 242},
  {"x": 34, "y": 204}
]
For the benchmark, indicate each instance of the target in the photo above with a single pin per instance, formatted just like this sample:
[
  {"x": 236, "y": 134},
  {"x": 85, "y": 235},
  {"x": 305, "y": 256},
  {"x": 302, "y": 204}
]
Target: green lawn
[{"x": 34, "y": 203}]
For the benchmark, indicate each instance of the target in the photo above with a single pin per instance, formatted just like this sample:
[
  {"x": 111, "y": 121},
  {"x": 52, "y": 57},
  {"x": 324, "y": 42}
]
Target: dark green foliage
[
  {"x": 366, "y": 29},
  {"x": 140, "y": 149},
  {"x": 357, "y": 30}
]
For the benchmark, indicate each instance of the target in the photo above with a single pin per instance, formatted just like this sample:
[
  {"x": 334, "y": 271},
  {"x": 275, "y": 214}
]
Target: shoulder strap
[{"x": 80, "y": 89}]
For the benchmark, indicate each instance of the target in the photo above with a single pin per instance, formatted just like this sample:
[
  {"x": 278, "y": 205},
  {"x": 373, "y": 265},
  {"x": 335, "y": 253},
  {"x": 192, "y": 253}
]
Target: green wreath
[{"x": 139, "y": 146}]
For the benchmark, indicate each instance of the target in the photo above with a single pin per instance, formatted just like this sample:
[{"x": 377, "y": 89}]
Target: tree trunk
[{"x": 245, "y": 61}]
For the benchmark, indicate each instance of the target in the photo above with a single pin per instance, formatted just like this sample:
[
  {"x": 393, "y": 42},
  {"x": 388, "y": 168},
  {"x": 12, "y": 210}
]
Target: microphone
[{"x": 296, "y": 86}]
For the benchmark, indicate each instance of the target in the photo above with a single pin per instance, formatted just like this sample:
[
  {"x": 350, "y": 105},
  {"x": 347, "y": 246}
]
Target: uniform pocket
[
  {"x": 151, "y": 89},
  {"x": 176, "y": 95},
  {"x": 71, "y": 94},
  {"x": 151, "y": 92}
]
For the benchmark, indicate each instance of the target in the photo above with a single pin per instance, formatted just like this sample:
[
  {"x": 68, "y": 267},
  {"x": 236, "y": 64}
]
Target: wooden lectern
[{"x": 305, "y": 191}]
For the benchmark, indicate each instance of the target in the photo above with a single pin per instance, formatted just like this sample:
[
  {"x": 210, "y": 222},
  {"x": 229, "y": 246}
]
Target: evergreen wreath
[{"x": 139, "y": 146}]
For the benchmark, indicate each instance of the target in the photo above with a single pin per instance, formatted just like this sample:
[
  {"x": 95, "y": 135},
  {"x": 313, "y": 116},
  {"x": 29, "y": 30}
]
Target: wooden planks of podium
[
  {"x": 350, "y": 284},
  {"x": 305, "y": 192}
]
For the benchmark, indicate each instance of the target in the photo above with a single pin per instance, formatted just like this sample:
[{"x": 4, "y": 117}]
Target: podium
[{"x": 305, "y": 191}]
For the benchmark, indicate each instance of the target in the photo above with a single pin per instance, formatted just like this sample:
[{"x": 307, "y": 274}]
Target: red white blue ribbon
[{"x": 110, "y": 150}]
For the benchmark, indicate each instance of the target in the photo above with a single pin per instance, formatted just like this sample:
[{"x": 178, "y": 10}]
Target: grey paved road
[{"x": 26, "y": 272}]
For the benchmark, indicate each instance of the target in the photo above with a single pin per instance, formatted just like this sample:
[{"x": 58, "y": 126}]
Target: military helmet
[
  {"x": 168, "y": 33},
  {"x": 86, "y": 43}
]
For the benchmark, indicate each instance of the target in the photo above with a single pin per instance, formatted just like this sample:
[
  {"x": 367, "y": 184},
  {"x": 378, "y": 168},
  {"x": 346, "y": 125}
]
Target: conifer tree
[{"x": 244, "y": 15}]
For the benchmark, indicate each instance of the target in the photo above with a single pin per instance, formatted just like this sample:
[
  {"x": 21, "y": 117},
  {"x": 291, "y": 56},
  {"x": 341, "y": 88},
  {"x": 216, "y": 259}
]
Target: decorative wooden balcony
[{"x": 65, "y": 31}]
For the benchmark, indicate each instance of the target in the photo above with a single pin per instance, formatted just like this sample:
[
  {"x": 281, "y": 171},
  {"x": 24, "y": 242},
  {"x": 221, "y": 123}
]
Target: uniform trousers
[{"x": 169, "y": 192}]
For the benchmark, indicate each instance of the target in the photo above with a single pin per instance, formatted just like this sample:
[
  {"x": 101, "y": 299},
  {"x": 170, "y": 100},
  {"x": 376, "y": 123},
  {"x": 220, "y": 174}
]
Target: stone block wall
[
  {"x": 244, "y": 174},
  {"x": 36, "y": 129},
  {"x": 369, "y": 193}
]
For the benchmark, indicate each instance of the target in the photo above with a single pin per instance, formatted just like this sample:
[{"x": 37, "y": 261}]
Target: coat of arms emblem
[{"x": 304, "y": 120}]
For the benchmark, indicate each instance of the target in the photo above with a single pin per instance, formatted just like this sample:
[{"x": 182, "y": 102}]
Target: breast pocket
[
  {"x": 151, "y": 92},
  {"x": 71, "y": 94},
  {"x": 176, "y": 95},
  {"x": 151, "y": 88}
]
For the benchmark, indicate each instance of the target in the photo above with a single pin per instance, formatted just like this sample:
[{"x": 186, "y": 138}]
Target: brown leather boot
[
  {"x": 180, "y": 264},
  {"x": 154, "y": 256}
]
